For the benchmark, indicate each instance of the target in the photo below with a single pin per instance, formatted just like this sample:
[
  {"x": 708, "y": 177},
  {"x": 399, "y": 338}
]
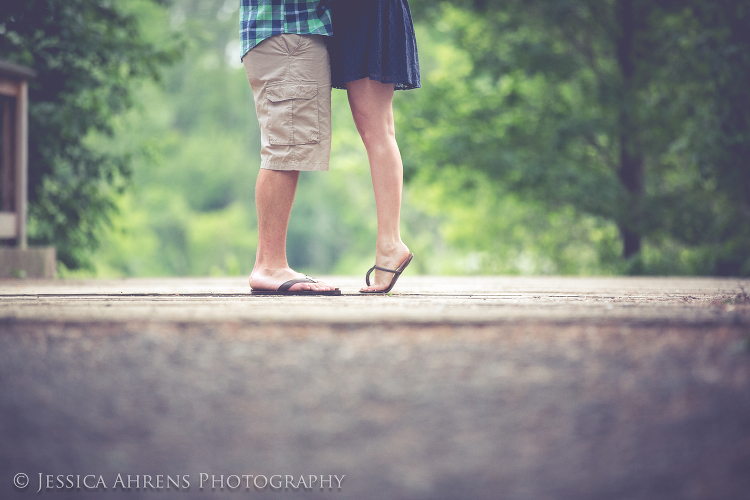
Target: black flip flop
[
  {"x": 284, "y": 289},
  {"x": 396, "y": 273}
]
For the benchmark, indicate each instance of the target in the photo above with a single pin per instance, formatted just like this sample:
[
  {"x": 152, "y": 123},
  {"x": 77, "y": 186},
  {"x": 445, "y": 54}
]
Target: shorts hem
[{"x": 296, "y": 166}]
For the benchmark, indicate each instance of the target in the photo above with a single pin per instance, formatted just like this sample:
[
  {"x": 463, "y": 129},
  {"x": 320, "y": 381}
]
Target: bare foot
[
  {"x": 389, "y": 258},
  {"x": 272, "y": 279}
]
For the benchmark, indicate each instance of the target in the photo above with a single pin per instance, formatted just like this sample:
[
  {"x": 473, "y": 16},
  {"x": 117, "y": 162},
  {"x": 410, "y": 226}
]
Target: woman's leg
[{"x": 372, "y": 108}]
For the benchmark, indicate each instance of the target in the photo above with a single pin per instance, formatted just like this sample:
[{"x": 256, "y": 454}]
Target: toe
[
  {"x": 323, "y": 287},
  {"x": 318, "y": 286}
]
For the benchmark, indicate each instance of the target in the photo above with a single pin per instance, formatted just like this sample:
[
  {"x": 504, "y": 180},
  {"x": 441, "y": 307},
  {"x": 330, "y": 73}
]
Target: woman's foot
[
  {"x": 271, "y": 279},
  {"x": 388, "y": 258}
]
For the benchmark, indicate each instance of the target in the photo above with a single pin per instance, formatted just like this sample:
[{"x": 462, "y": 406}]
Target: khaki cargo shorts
[{"x": 291, "y": 80}]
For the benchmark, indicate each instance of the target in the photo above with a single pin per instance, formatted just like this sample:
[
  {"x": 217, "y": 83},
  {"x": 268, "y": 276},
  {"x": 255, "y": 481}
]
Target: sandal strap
[
  {"x": 367, "y": 276},
  {"x": 384, "y": 269},
  {"x": 289, "y": 284}
]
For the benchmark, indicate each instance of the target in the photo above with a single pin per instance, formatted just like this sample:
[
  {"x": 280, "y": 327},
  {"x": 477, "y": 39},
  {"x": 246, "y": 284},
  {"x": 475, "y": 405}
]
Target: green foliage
[
  {"x": 546, "y": 135},
  {"x": 188, "y": 211},
  {"x": 632, "y": 111},
  {"x": 479, "y": 225},
  {"x": 196, "y": 143},
  {"x": 86, "y": 54}
]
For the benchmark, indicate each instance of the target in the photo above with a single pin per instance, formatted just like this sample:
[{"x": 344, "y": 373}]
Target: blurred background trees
[
  {"x": 557, "y": 136},
  {"x": 86, "y": 53},
  {"x": 630, "y": 110}
]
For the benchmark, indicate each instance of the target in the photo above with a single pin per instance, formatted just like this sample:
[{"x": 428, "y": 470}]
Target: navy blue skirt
[{"x": 373, "y": 39}]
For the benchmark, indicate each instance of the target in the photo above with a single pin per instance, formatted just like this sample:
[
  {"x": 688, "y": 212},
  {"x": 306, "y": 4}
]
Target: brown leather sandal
[{"x": 396, "y": 273}]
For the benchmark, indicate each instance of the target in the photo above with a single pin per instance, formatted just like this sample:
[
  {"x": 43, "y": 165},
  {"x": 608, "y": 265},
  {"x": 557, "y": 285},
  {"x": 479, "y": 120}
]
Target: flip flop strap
[
  {"x": 367, "y": 276},
  {"x": 289, "y": 284}
]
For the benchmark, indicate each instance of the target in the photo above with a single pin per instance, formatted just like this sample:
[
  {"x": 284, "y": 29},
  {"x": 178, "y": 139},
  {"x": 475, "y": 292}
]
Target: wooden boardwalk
[
  {"x": 459, "y": 387},
  {"x": 416, "y": 300}
]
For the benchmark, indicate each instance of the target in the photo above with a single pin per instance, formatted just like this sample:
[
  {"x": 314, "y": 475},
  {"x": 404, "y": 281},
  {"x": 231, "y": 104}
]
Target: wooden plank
[
  {"x": 8, "y": 225},
  {"x": 9, "y": 88},
  {"x": 6, "y": 162},
  {"x": 15, "y": 71},
  {"x": 34, "y": 262},
  {"x": 21, "y": 160}
]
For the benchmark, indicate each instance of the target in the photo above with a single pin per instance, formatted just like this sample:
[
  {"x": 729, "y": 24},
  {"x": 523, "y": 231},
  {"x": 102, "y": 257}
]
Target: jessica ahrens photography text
[{"x": 183, "y": 482}]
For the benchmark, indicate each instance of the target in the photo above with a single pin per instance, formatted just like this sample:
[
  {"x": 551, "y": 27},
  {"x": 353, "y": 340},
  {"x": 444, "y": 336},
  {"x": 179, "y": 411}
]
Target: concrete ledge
[{"x": 34, "y": 262}]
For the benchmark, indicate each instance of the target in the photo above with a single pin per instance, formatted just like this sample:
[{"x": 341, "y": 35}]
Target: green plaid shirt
[{"x": 260, "y": 19}]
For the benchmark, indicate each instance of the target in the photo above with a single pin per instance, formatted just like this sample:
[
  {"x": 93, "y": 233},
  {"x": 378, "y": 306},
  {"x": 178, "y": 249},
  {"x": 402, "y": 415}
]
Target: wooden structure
[
  {"x": 16, "y": 259},
  {"x": 14, "y": 166}
]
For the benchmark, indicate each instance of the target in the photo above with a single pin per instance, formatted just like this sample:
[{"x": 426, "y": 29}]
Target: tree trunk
[{"x": 631, "y": 157}]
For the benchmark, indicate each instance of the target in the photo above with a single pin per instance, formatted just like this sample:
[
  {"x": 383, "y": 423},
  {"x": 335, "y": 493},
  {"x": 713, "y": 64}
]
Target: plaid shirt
[{"x": 260, "y": 19}]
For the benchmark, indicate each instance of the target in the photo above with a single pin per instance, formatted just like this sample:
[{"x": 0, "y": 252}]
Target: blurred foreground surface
[{"x": 566, "y": 388}]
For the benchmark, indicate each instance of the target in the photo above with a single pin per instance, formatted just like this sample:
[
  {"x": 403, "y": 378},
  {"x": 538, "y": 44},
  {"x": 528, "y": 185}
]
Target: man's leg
[
  {"x": 274, "y": 196},
  {"x": 276, "y": 68}
]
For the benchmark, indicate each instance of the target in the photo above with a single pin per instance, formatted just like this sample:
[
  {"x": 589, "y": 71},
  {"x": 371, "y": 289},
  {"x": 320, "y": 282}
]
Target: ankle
[
  {"x": 390, "y": 247},
  {"x": 269, "y": 269}
]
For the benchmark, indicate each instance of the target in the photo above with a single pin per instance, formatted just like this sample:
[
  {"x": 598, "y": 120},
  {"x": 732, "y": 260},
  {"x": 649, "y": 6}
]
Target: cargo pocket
[{"x": 293, "y": 113}]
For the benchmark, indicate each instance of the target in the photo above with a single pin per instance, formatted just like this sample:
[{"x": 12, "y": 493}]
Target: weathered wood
[
  {"x": 15, "y": 144},
  {"x": 8, "y": 225},
  {"x": 21, "y": 163},
  {"x": 15, "y": 71},
  {"x": 9, "y": 88},
  {"x": 416, "y": 300},
  {"x": 34, "y": 262},
  {"x": 6, "y": 167},
  {"x": 452, "y": 388}
]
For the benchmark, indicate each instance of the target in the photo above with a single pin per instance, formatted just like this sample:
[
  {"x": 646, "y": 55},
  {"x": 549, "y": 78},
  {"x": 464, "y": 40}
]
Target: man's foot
[
  {"x": 269, "y": 280},
  {"x": 389, "y": 258}
]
